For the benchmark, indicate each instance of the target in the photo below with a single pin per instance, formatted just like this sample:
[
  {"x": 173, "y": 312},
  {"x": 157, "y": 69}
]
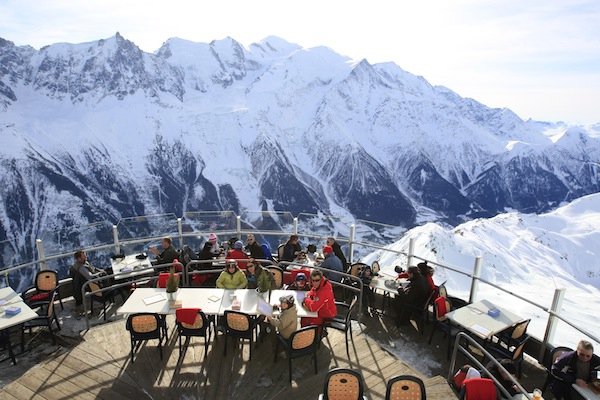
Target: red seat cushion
[
  {"x": 39, "y": 297},
  {"x": 440, "y": 305},
  {"x": 479, "y": 389}
]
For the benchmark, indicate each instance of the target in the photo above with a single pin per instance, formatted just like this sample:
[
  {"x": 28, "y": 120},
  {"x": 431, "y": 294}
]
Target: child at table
[{"x": 287, "y": 322}]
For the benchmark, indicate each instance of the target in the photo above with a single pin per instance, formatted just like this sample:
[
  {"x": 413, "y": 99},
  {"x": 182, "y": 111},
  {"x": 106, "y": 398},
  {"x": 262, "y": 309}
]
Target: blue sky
[{"x": 539, "y": 58}]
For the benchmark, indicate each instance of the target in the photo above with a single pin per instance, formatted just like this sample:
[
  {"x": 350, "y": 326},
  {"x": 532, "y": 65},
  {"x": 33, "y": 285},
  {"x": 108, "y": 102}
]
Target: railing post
[
  {"x": 238, "y": 226},
  {"x": 351, "y": 242},
  {"x": 116, "y": 240},
  {"x": 295, "y": 229},
  {"x": 475, "y": 280},
  {"x": 180, "y": 232},
  {"x": 411, "y": 251},
  {"x": 559, "y": 294},
  {"x": 41, "y": 254}
]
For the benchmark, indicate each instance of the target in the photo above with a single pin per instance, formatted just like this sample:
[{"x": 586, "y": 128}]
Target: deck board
[{"x": 100, "y": 367}]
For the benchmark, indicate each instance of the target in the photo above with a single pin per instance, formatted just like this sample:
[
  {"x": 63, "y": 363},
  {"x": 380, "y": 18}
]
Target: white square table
[
  {"x": 11, "y": 299},
  {"x": 208, "y": 300},
  {"x": 248, "y": 299},
  {"x": 130, "y": 266},
  {"x": 586, "y": 393},
  {"x": 476, "y": 320},
  {"x": 298, "y": 298}
]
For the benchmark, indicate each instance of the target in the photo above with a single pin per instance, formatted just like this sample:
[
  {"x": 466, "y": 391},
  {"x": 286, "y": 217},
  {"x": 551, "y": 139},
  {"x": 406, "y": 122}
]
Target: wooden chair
[
  {"x": 239, "y": 325},
  {"x": 303, "y": 342},
  {"x": 277, "y": 273},
  {"x": 200, "y": 328},
  {"x": 513, "y": 335},
  {"x": 405, "y": 387},
  {"x": 98, "y": 296},
  {"x": 343, "y": 384},
  {"x": 343, "y": 320},
  {"x": 46, "y": 282},
  {"x": 514, "y": 353},
  {"x": 143, "y": 327},
  {"x": 554, "y": 354},
  {"x": 46, "y": 319}
]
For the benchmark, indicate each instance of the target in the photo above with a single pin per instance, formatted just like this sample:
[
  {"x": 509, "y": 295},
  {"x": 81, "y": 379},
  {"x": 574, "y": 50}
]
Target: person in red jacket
[
  {"x": 237, "y": 253},
  {"x": 319, "y": 299}
]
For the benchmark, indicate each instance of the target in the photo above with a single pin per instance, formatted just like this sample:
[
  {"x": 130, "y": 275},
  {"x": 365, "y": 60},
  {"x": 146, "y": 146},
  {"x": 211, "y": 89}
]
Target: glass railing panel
[
  {"x": 13, "y": 254},
  {"x": 273, "y": 221},
  {"x": 147, "y": 226},
  {"x": 580, "y": 307},
  {"x": 209, "y": 221},
  {"x": 324, "y": 226},
  {"x": 71, "y": 238}
]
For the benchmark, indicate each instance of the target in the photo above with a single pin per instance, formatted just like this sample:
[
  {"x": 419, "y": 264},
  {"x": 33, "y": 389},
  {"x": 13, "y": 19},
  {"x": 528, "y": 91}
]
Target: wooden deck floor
[{"x": 100, "y": 367}]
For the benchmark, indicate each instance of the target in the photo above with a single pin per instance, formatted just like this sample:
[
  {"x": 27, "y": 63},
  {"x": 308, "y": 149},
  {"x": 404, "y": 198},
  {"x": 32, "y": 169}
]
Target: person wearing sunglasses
[{"x": 319, "y": 299}]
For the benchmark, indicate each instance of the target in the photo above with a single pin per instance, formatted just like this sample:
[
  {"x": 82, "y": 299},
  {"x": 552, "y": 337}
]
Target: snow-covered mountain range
[
  {"x": 103, "y": 130},
  {"x": 527, "y": 254}
]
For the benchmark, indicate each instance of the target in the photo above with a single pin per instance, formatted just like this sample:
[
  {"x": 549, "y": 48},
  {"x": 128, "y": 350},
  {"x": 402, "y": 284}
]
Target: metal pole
[
  {"x": 411, "y": 252},
  {"x": 559, "y": 295},
  {"x": 238, "y": 228},
  {"x": 295, "y": 226},
  {"x": 351, "y": 242},
  {"x": 475, "y": 280},
  {"x": 41, "y": 254},
  {"x": 116, "y": 240},
  {"x": 180, "y": 231}
]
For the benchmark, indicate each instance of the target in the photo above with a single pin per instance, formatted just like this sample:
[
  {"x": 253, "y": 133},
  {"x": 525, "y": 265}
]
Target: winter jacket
[
  {"x": 332, "y": 262},
  {"x": 167, "y": 255},
  {"x": 289, "y": 251},
  {"x": 287, "y": 322},
  {"x": 256, "y": 251},
  {"x": 237, "y": 280},
  {"x": 416, "y": 292},
  {"x": 565, "y": 367},
  {"x": 235, "y": 254},
  {"x": 263, "y": 279},
  {"x": 321, "y": 300}
]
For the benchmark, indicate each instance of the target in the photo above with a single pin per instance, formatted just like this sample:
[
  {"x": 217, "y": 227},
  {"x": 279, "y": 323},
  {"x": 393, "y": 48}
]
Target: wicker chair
[
  {"x": 405, "y": 387},
  {"x": 277, "y": 276},
  {"x": 46, "y": 319},
  {"x": 303, "y": 342},
  {"x": 200, "y": 328},
  {"x": 514, "y": 335},
  {"x": 343, "y": 384},
  {"x": 46, "y": 282},
  {"x": 514, "y": 353},
  {"x": 143, "y": 327},
  {"x": 442, "y": 323},
  {"x": 343, "y": 321},
  {"x": 99, "y": 296},
  {"x": 239, "y": 325}
]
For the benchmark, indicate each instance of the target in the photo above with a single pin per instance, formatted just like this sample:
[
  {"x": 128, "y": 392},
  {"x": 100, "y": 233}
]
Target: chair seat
[
  {"x": 39, "y": 297},
  {"x": 340, "y": 326}
]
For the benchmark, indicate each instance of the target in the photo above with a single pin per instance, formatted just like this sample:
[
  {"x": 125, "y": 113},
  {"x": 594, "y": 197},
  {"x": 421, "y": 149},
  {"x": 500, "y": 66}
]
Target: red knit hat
[{"x": 327, "y": 249}]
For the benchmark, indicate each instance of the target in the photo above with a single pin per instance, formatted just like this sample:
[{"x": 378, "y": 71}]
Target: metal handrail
[{"x": 458, "y": 347}]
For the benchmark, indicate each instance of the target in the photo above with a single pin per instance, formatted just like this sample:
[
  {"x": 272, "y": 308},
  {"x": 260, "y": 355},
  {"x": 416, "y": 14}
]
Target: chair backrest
[
  {"x": 305, "y": 338},
  {"x": 280, "y": 249},
  {"x": 351, "y": 310},
  {"x": 479, "y": 389},
  {"x": 556, "y": 352},
  {"x": 143, "y": 323},
  {"x": 199, "y": 323},
  {"x": 442, "y": 291},
  {"x": 238, "y": 321},
  {"x": 343, "y": 384},
  {"x": 46, "y": 280},
  {"x": 277, "y": 276},
  {"x": 441, "y": 306},
  {"x": 95, "y": 289},
  {"x": 405, "y": 387},
  {"x": 518, "y": 351},
  {"x": 520, "y": 329}
]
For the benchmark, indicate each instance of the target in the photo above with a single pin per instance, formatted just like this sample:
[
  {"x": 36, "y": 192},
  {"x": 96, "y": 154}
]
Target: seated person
[
  {"x": 168, "y": 253},
  {"x": 82, "y": 271},
  {"x": 259, "y": 277},
  {"x": 311, "y": 252},
  {"x": 254, "y": 248},
  {"x": 287, "y": 322},
  {"x": 319, "y": 299},
  {"x": 412, "y": 297},
  {"x": 215, "y": 249},
  {"x": 574, "y": 367},
  {"x": 366, "y": 275},
  {"x": 232, "y": 277},
  {"x": 299, "y": 283},
  {"x": 333, "y": 263},
  {"x": 237, "y": 253},
  {"x": 337, "y": 250},
  {"x": 291, "y": 249}
]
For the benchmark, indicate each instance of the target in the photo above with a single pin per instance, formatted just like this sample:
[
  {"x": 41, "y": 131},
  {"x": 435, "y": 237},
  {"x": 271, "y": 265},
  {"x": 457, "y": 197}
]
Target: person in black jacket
[
  {"x": 337, "y": 250},
  {"x": 167, "y": 255},
  {"x": 574, "y": 367},
  {"x": 256, "y": 251},
  {"x": 412, "y": 297},
  {"x": 291, "y": 249}
]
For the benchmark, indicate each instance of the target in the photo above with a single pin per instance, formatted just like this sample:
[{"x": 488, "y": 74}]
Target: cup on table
[{"x": 537, "y": 394}]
